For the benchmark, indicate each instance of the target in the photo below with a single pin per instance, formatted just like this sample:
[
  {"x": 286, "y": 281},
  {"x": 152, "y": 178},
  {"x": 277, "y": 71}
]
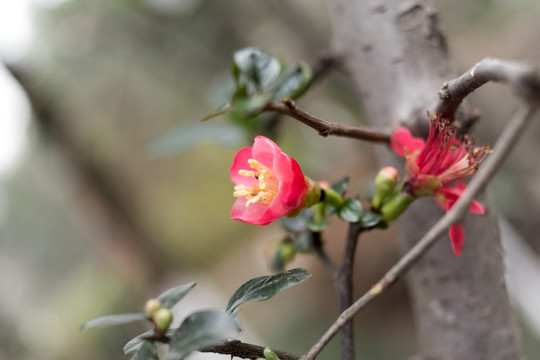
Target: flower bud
[
  {"x": 385, "y": 182},
  {"x": 152, "y": 306},
  {"x": 162, "y": 319},
  {"x": 396, "y": 205}
]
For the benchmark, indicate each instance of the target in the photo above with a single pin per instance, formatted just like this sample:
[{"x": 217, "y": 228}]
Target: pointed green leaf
[
  {"x": 350, "y": 211},
  {"x": 222, "y": 110},
  {"x": 264, "y": 287},
  {"x": 303, "y": 241},
  {"x": 249, "y": 106},
  {"x": 116, "y": 319},
  {"x": 318, "y": 226},
  {"x": 134, "y": 344},
  {"x": 147, "y": 351},
  {"x": 370, "y": 219},
  {"x": 201, "y": 330},
  {"x": 341, "y": 186},
  {"x": 170, "y": 297},
  {"x": 294, "y": 82},
  {"x": 297, "y": 223},
  {"x": 257, "y": 66}
]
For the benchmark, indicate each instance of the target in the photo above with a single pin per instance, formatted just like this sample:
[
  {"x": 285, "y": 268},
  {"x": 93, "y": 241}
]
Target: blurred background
[{"x": 112, "y": 190}]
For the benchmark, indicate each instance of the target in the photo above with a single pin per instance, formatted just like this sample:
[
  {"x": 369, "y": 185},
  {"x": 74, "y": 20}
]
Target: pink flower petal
[
  {"x": 457, "y": 238},
  {"x": 403, "y": 143},
  {"x": 476, "y": 208},
  {"x": 287, "y": 176},
  {"x": 240, "y": 162}
]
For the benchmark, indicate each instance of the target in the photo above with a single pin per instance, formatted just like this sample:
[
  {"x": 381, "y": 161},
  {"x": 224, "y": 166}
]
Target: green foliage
[
  {"x": 147, "y": 351},
  {"x": 350, "y": 210},
  {"x": 260, "y": 78},
  {"x": 201, "y": 330},
  {"x": 264, "y": 287},
  {"x": 116, "y": 319},
  {"x": 170, "y": 297},
  {"x": 341, "y": 186},
  {"x": 134, "y": 344},
  {"x": 254, "y": 68},
  {"x": 371, "y": 220}
]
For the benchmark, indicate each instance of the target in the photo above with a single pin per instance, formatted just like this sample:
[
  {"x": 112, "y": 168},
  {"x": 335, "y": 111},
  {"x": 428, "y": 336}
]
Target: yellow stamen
[{"x": 264, "y": 191}]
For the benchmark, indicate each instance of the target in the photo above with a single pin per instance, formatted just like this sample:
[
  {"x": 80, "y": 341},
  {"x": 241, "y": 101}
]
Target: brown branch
[
  {"x": 325, "y": 128},
  {"x": 329, "y": 265},
  {"x": 522, "y": 78},
  {"x": 246, "y": 351},
  {"x": 344, "y": 288},
  {"x": 506, "y": 141}
]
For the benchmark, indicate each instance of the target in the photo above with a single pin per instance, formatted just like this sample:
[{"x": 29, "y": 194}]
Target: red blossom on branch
[
  {"x": 269, "y": 183},
  {"x": 435, "y": 166}
]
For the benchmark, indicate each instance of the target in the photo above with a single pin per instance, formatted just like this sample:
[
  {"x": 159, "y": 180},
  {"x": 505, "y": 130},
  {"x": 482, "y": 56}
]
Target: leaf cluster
[{"x": 201, "y": 329}]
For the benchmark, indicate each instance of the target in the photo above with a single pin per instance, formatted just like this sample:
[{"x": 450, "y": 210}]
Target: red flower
[
  {"x": 433, "y": 165},
  {"x": 269, "y": 183}
]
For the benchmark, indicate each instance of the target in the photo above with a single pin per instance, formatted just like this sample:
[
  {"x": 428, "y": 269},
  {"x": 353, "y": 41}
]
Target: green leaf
[
  {"x": 184, "y": 138},
  {"x": 341, "y": 186},
  {"x": 350, "y": 211},
  {"x": 256, "y": 66},
  {"x": 264, "y": 287},
  {"x": 116, "y": 319},
  {"x": 297, "y": 223},
  {"x": 249, "y": 106},
  {"x": 147, "y": 351},
  {"x": 134, "y": 344},
  {"x": 303, "y": 241},
  {"x": 294, "y": 82},
  {"x": 170, "y": 297},
  {"x": 222, "y": 110},
  {"x": 370, "y": 219},
  {"x": 201, "y": 330},
  {"x": 318, "y": 226}
]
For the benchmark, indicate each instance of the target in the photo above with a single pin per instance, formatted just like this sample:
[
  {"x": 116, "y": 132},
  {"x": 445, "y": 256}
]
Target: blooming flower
[
  {"x": 435, "y": 164},
  {"x": 269, "y": 183}
]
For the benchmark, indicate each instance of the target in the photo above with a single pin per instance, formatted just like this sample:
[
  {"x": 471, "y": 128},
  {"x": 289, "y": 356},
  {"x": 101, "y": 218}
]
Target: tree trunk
[{"x": 397, "y": 57}]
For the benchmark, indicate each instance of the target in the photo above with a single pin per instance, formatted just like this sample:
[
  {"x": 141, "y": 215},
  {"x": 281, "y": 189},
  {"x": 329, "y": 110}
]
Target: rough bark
[{"x": 397, "y": 57}]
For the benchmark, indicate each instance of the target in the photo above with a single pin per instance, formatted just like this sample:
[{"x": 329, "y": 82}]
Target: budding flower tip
[
  {"x": 152, "y": 306},
  {"x": 162, "y": 319}
]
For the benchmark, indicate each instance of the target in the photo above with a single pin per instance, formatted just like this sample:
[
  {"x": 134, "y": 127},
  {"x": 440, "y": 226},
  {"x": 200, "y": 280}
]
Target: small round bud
[
  {"x": 287, "y": 251},
  {"x": 152, "y": 306},
  {"x": 385, "y": 182},
  {"x": 162, "y": 319}
]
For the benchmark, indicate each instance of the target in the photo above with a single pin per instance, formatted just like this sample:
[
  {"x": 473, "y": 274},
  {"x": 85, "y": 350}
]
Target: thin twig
[
  {"x": 324, "y": 128},
  {"x": 502, "y": 148},
  {"x": 344, "y": 288},
  {"x": 318, "y": 248},
  {"x": 522, "y": 78}
]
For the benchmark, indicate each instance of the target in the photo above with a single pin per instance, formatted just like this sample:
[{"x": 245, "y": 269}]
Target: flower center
[{"x": 264, "y": 191}]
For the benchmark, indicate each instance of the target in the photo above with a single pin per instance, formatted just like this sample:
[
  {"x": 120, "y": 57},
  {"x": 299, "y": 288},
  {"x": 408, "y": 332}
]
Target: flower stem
[{"x": 333, "y": 198}]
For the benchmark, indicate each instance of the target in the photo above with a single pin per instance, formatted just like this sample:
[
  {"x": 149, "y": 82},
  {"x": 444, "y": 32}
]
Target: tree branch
[
  {"x": 505, "y": 143},
  {"x": 324, "y": 128},
  {"x": 344, "y": 288},
  {"x": 522, "y": 78},
  {"x": 246, "y": 351},
  {"x": 329, "y": 265}
]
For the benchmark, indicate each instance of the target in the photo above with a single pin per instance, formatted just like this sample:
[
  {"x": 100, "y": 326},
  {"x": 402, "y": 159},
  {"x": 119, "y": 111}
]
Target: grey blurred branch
[
  {"x": 129, "y": 236},
  {"x": 521, "y": 77},
  {"x": 325, "y": 128}
]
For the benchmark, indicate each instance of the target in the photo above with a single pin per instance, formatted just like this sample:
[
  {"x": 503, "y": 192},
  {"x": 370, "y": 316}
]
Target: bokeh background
[{"x": 113, "y": 190}]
